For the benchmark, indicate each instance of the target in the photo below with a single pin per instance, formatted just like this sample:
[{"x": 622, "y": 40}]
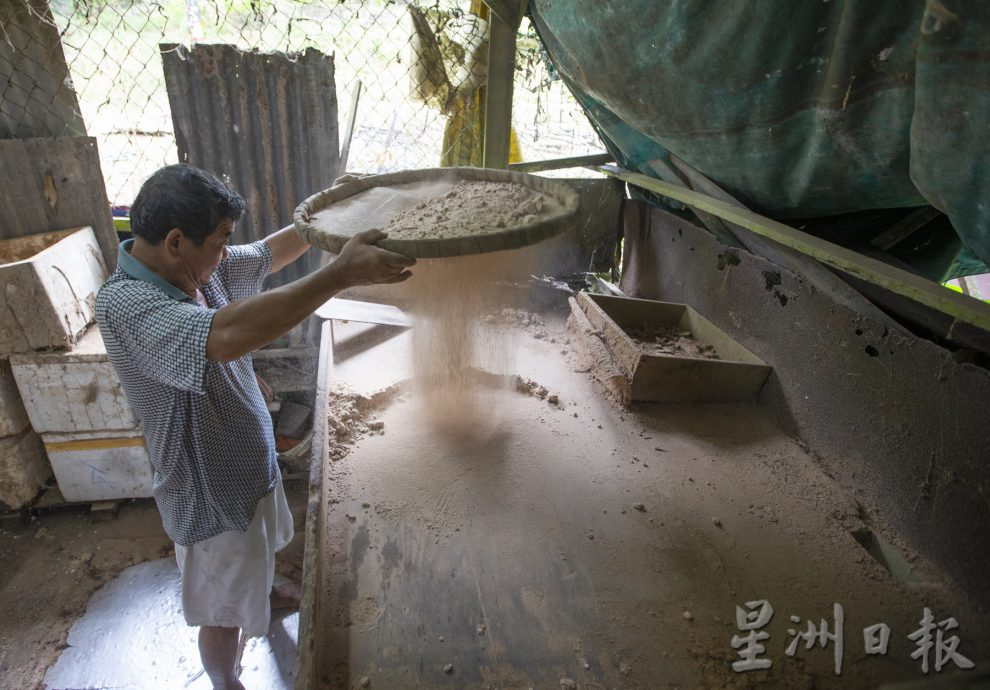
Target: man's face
[{"x": 201, "y": 262}]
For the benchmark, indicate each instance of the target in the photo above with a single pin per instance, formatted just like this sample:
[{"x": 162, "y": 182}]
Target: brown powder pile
[
  {"x": 351, "y": 416},
  {"x": 472, "y": 208}
]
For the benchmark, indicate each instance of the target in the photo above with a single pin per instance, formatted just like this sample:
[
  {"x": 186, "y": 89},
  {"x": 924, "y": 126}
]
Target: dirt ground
[{"x": 52, "y": 561}]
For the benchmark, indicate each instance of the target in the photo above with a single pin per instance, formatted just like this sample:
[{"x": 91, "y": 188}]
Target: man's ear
[{"x": 172, "y": 240}]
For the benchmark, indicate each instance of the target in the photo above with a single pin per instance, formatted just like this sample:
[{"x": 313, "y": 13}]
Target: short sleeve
[
  {"x": 245, "y": 267},
  {"x": 162, "y": 338}
]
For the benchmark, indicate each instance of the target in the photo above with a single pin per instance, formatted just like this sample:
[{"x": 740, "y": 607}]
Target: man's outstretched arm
[
  {"x": 246, "y": 325},
  {"x": 286, "y": 246}
]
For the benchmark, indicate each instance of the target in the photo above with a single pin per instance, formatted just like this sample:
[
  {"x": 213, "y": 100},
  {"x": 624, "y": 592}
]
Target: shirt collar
[{"x": 137, "y": 270}]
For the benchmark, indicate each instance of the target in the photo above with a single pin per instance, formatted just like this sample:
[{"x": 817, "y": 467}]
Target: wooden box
[
  {"x": 48, "y": 286},
  {"x": 736, "y": 375}
]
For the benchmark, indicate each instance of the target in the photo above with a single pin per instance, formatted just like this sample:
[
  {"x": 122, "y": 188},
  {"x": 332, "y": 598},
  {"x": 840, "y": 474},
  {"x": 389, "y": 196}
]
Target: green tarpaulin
[{"x": 802, "y": 110}]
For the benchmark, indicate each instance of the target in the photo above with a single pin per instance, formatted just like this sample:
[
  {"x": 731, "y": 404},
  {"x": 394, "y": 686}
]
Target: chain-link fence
[{"x": 410, "y": 106}]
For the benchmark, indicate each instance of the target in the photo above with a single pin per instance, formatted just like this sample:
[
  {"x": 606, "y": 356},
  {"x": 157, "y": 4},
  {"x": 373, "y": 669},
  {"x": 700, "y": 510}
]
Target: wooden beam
[
  {"x": 501, "y": 72},
  {"x": 905, "y": 227},
  {"x": 896, "y": 280},
  {"x": 509, "y": 11},
  {"x": 363, "y": 312},
  {"x": 562, "y": 163},
  {"x": 310, "y": 613},
  {"x": 345, "y": 150}
]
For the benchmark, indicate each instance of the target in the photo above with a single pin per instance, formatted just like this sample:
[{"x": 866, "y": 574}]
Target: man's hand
[{"x": 362, "y": 263}]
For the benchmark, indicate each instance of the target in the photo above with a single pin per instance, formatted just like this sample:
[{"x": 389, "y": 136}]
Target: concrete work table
[{"x": 571, "y": 543}]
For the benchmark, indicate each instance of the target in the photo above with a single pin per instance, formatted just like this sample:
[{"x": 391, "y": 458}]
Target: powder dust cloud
[{"x": 459, "y": 363}]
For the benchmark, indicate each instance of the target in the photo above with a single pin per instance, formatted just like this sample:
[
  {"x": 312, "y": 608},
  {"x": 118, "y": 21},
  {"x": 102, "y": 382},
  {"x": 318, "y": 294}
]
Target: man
[{"x": 180, "y": 317}]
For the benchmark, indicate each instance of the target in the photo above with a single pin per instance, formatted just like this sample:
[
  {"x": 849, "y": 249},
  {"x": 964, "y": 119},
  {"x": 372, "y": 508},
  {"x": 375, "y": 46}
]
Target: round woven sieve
[{"x": 331, "y": 217}]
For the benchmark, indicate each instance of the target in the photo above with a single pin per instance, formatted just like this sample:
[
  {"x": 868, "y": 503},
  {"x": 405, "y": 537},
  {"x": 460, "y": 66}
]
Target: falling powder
[
  {"x": 454, "y": 353},
  {"x": 450, "y": 347}
]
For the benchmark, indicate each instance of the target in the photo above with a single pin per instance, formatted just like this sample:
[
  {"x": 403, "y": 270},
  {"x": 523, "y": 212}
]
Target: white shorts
[{"x": 227, "y": 579}]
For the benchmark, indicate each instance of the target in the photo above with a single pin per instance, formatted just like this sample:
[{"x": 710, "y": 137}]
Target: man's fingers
[
  {"x": 391, "y": 258},
  {"x": 370, "y": 236},
  {"x": 398, "y": 260}
]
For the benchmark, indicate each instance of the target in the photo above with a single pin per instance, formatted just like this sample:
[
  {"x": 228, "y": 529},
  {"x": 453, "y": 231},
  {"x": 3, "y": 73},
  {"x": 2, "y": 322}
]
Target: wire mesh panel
[{"x": 112, "y": 51}]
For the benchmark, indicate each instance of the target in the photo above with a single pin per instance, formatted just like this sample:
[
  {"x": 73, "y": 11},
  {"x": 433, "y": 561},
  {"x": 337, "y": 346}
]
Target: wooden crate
[
  {"x": 738, "y": 374},
  {"x": 48, "y": 286}
]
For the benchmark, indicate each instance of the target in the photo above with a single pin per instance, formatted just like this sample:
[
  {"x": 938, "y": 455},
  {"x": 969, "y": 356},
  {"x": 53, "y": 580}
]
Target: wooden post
[{"x": 503, "y": 24}]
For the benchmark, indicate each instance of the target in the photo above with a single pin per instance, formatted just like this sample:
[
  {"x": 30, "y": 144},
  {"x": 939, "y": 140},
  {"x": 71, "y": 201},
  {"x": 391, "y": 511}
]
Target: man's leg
[
  {"x": 218, "y": 650},
  {"x": 285, "y": 596}
]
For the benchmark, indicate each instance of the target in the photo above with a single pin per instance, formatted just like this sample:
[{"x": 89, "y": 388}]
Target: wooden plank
[
  {"x": 509, "y": 11},
  {"x": 363, "y": 312},
  {"x": 307, "y": 660},
  {"x": 905, "y": 227},
  {"x": 51, "y": 184},
  {"x": 345, "y": 150},
  {"x": 562, "y": 163},
  {"x": 898, "y": 281},
  {"x": 498, "y": 101}
]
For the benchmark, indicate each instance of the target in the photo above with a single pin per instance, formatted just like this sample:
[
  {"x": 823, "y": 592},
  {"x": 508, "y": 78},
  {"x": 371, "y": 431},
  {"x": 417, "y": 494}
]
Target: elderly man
[{"x": 180, "y": 317}]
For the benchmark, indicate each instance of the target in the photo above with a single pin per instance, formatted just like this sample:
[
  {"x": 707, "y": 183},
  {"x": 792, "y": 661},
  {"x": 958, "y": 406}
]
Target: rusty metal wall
[
  {"x": 265, "y": 121},
  {"x": 38, "y": 99}
]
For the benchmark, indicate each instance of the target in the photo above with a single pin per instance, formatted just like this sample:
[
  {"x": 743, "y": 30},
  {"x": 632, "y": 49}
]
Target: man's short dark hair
[{"x": 181, "y": 196}]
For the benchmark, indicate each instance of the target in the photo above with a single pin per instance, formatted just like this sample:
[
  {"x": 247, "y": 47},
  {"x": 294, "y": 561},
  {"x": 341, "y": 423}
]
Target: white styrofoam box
[
  {"x": 101, "y": 465},
  {"x": 23, "y": 468},
  {"x": 72, "y": 390},
  {"x": 13, "y": 416},
  {"x": 48, "y": 286}
]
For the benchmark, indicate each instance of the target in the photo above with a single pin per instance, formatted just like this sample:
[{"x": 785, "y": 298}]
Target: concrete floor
[
  {"x": 133, "y": 636},
  {"x": 90, "y": 600}
]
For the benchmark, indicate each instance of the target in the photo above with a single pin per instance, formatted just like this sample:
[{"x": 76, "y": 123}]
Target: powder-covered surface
[
  {"x": 566, "y": 542},
  {"x": 657, "y": 340},
  {"x": 472, "y": 208}
]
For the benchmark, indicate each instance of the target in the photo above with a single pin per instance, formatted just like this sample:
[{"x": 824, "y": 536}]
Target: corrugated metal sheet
[
  {"x": 268, "y": 121},
  {"x": 37, "y": 99}
]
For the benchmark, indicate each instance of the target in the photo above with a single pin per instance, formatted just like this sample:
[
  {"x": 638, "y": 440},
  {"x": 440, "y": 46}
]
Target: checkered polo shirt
[{"x": 208, "y": 430}]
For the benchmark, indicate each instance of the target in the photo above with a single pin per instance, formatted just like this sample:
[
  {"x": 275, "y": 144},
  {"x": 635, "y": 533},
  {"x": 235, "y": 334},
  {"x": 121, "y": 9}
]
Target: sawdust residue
[
  {"x": 365, "y": 613},
  {"x": 472, "y": 208},
  {"x": 352, "y": 415},
  {"x": 520, "y": 319},
  {"x": 659, "y": 340}
]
